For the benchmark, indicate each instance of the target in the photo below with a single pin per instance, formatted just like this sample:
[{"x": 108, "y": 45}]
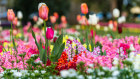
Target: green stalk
[
  {"x": 45, "y": 37},
  {"x": 48, "y": 49}
]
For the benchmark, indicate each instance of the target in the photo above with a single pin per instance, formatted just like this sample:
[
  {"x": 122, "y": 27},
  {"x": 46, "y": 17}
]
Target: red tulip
[
  {"x": 53, "y": 19},
  {"x": 49, "y": 33},
  {"x": 120, "y": 28},
  {"x": 54, "y": 40},
  {"x": 35, "y": 18},
  {"x": 84, "y": 8},
  {"x": 15, "y": 21},
  {"x": 10, "y": 15},
  {"x": 56, "y": 15},
  {"x": 43, "y": 11}
]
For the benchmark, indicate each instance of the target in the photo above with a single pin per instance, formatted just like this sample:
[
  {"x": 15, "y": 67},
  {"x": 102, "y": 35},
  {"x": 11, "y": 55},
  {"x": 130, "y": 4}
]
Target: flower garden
[{"x": 87, "y": 50}]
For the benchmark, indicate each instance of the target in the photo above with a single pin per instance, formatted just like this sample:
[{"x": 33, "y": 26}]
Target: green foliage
[{"x": 58, "y": 49}]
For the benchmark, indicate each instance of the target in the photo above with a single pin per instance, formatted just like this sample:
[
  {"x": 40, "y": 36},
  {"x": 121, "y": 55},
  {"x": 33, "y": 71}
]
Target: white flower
[
  {"x": 115, "y": 73},
  {"x": 77, "y": 27},
  {"x": 33, "y": 55},
  {"x": 64, "y": 73},
  {"x": 106, "y": 68},
  {"x": 50, "y": 77},
  {"x": 105, "y": 28},
  {"x": 32, "y": 74},
  {"x": 93, "y": 19},
  {"x": 80, "y": 77},
  {"x": 17, "y": 74},
  {"x": 36, "y": 71},
  {"x": 18, "y": 23},
  {"x": 72, "y": 73},
  {"x": 89, "y": 77},
  {"x": 111, "y": 26},
  {"x": 19, "y": 15},
  {"x": 121, "y": 19},
  {"x": 101, "y": 73},
  {"x": 129, "y": 59},
  {"x": 116, "y": 12},
  {"x": 132, "y": 47},
  {"x": 110, "y": 39},
  {"x": 43, "y": 71},
  {"x": 91, "y": 65},
  {"x": 38, "y": 61},
  {"x": 131, "y": 55},
  {"x": 13, "y": 71},
  {"x": 89, "y": 70},
  {"x": 98, "y": 27},
  {"x": 116, "y": 61},
  {"x": 1, "y": 75},
  {"x": 40, "y": 4}
]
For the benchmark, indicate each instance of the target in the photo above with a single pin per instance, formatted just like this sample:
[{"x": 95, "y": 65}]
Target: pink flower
[{"x": 49, "y": 33}]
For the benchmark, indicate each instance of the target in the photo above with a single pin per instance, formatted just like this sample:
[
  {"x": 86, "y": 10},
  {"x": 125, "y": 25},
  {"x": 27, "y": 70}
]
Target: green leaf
[
  {"x": 33, "y": 34},
  {"x": 54, "y": 58},
  {"x": 57, "y": 44},
  {"x": 92, "y": 45},
  {"x": 14, "y": 45}
]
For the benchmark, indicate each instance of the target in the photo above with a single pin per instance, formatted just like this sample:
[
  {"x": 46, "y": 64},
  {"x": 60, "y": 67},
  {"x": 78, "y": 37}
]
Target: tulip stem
[{"x": 45, "y": 39}]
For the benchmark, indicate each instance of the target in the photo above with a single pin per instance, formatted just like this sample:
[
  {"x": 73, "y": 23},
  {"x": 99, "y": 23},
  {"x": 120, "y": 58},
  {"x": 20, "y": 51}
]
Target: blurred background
[{"x": 70, "y": 8}]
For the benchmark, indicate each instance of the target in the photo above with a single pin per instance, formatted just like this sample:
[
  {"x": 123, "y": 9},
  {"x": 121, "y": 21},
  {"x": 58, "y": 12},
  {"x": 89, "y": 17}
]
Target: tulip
[
  {"x": 63, "y": 19},
  {"x": 54, "y": 39},
  {"x": 35, "y": 18},
  {"x": 56, "y": 15},
  {"x": 121, "y": 19},
  {"x": 43, "y": 11},
  {"x": 15, "y": 21},
  {"x": 49, "y": 33},
  {"x": 78, "y": 18},
  {"x": 53, "y": 19},
  {"x": 116, "y": 13},
  {"x": 93, "y": 19},
  {"x": 19, "y": 15},
  {"x": 10, "y": 15},
  {"x": 120, "y": 28},
  {"x": 84, "y": 8}
]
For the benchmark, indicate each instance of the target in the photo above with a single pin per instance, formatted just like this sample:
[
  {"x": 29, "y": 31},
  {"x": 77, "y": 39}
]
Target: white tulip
[
  {"x": 18, "y": 23},
  {"x": 98, "y": 27},
  {"x": 105, "y": 28},
  {"x": 121, "y": 19},
  {"x": 19, "y": 15},
  {"x": 40, "y": 4},
  {"x": 93, "y": 19},
  {"x": 116, "y": 12},
  {"x": 111, "y": 26}
]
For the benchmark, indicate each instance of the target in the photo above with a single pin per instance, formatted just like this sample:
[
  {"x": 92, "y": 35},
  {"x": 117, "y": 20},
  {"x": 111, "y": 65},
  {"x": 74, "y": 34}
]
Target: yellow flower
[
  {"x": 51, "y": 47},
  {"x": 18, "y": 35},
  {"x": 86, "y": 46}
]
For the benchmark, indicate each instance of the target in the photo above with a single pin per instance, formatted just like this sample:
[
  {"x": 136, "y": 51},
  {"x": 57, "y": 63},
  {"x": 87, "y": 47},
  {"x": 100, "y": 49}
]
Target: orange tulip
[
  {"x": 35, "y": 18},
  {"x": 43, "y": 11},
  {"x": 78, "y": 18},
  {"x": 53, "y": 19},
  {"x": 15, "y": 21},
  {"x": 63, "y": 19},
  {"x": 84, "y": 8},
  {"x": 10, "y": 15},
  {"x": 56, "y": 15}
]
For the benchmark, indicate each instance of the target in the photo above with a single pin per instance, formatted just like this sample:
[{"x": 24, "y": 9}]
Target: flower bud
[
  {"x": 84, "y": 8},
  {"x": 43, "y": 11},
  {"x": 15, "y": 21},
  {"x": 49, "y": 33},
  {"x": 10, "y": 15},
  {"x": 56, "y": 15}
]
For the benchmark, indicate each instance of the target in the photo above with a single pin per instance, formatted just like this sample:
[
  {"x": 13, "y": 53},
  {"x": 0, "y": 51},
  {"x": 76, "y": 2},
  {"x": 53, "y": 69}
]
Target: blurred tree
[{"x": 31, "y": 6}]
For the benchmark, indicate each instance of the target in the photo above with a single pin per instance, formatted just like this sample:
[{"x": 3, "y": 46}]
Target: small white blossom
[
  {"x": 43, "y": 71},
  {"x": 17, "y": 74},
  {"x": 98, "y": 27},
  {"x": 115, "y": 73},
  {"x": 64, "y": 73},
  {"x": 80, "y": 77},
  {"x": 89, "y": 70},
  {"x": 105, "y": 28},
  {"x": 36, "y": 71},
  {"x": 72, "y": 73},
  {"x": 116, "y": 12},
  {"x": 19, "y": 15}
]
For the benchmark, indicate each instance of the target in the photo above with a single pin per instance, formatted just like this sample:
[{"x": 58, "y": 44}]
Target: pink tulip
[
  {"x": 43, "y": 11},
  {"x": 15, "y": 21},
  {"x": 10, "y": 15},
  {"x": 35, "y": 18},
  {"x": 49, "y": 33},
  {"x": 63, "y": 19},
  {"x": 84, "y": 8},
  {"x": 53, "y": 19}
]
